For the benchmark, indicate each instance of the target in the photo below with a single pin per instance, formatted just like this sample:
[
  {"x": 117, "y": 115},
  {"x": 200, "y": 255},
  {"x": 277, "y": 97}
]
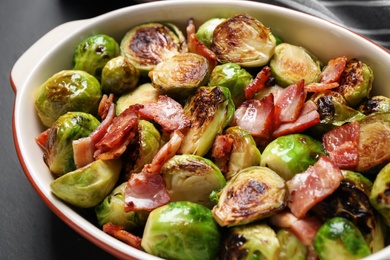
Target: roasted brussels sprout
[
  {"x": 58, "y": 154},
  {"x": 143, "y": 94},
  {"x": 244, "y": 40},
  {"x": 206, "y": 30},
  {"x": 253, "y": 193},
  {"x": 86, "y": 187},
  {"x": 192, "y": 178},
  {"x": 180, "y": 75},
  {"x": 290, "y": 246},
  {"x": 181, "y": 230},
  {"x": 253, "y": 241},
  {"x": 339, "y": 237},
  {"x": 112, "y": 210},
  {"x": 119, "y": 76},
  {"x": 233, "y": 77},
  {"x": 93, "y": 53},
  {"x": 375, "y": 104},
  {"x": 67, "y": 90},
  {"x": 210, "y": 110},
  {"x": 290, "y": 64},
  {"x": 291, "y": 154},
  {"x": 379, "y": 196},
  {"x": 148, "y": 44},
  {"x": 356, "y": 82}
]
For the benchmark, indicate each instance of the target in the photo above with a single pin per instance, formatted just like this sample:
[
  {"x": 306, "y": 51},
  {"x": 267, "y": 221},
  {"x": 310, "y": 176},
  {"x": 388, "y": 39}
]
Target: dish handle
[{"x": 19, "y": 71}]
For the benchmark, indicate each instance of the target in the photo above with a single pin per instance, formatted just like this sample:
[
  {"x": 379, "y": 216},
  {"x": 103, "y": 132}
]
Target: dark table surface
[{"x": 28, "y": 229}]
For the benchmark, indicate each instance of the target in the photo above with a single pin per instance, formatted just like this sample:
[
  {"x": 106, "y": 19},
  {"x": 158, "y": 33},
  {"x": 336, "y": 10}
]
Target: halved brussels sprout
[
  {"x": 112, "y": 210},
  {"x": 290, "y": 246},
  {"x": 86, "y": 187},
  {"x": 252, "y": 194},
  {"x": 379, "y": 196},
  {"x": 244, "y": 40},
  {"x": 192, "y": 178},
  {"x": 181, "y": 230},
  {"x": 291, "y": 154},
  {"x": 143, "y": 94},
  {"x": 339, "y": 238},
  {"x": 148, "y": 44},
  {"x": 375, "y": 104},
  {"x": 356, "y": 82},
  {"x": 210, "y": 110},
  {"x": 119, "y": 76},
  {"x": 290, "y": 64},
  {"x": 233, "y": 77},
  {"x": 93, "y": 53},
  {"x": 205, "y": 31},
  {"x": 253, "y": 241},
  {"x": 67, "y": 90},
  {"x": 58, "y": 154},
  {"x": 180, "y": 75}
]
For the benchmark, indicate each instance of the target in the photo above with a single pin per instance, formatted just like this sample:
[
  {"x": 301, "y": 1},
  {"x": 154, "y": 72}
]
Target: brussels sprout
[
  {"x": 67, "y": 90},
  {"x": 253, "y": 193},
  {"x": 119, "y": 76},
  {"x": 379, "y": 196},
  {"x": 144, "y": 149},
  {"x": 244, "y": 40},
  {"x": 339, "y": 238},
  {"x": 210, "y": 110},
  {"x": 181, "y": 230},
  {"x": 180, "y": 75},
  {"x": 356, "y": 82},
  {"x": 112, "y": 210},
  {"x": 290, "y": 64},
  {"x": 233, "y": 77},
  {"x": 291, "y": 154},
  {"x": 244, "y": 152},
  {"x": 206, "y": 30},
  {"x": 93, "y": 53},
  {"x": 86, "y": 187},
  {"x": 143, "y": 94},
  {"x": 58, "y": 154},
  {"x": 192, "y": 178},
  {"x": 149, "y": 44},
  {"x": 290, "y": 246},
  {"x": 375, "y": 104},
  {"x": 253, "y": 241}
]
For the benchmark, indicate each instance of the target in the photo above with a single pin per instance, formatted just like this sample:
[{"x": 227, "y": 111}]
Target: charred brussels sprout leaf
[
  {"x": 254, "y": 241},
  {"x": 86, "y": 187},
  {"x": 181, "y": 230},
  {"x": 379, "y": 196},
  {"x": 290, "y": 246},
  {"x": 68, "y": 90},
  {"x": 291, "y": 154},
  {"x": 112, "y": 210},
  {"x": 149, "y": 44},
  {"x": 93, "y": 53},
  {"x": 233, "y": 77},
  {"x": 252, "y": 194},
  {"x": 210, "y": 110},
  {"x": 290, "y": 64},
  {"x": 375, "y": 104},
  {"x": 59, "y": 150},
  {"x": 192, "y": 178},
  {"x": 206, "y": 30},
  {"x": 142, "y": 94},
  {"x": 244, "y": 40},
  {"x": 119, "y": 76},
  {"x": 339, "y": 237},
  {"x": 180, "y": 75}
]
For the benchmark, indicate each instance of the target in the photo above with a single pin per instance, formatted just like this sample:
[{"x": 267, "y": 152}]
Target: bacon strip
[
  {"x": 104, "y": 105},
  {"x": 320, "y": 87},
  {"x": 333, "y": 70},
  {"x": 41, "y": 139},
  {"x": 119, "y": 233},
  {"x": 222, "y": 147},
  {"x": 258, "y": 83}
]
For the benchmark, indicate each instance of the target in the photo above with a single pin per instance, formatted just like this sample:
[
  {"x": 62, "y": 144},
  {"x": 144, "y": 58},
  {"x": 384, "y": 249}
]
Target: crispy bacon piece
[
  {"x": 333, "y": 70},
  {"x": 320, "y": 87},
  {"x": 119, "y": 233},
  {"x": 41, "y": 139},
  {"x": 312, "y": 186},
  {"x": 222, "y": 146},
  {"x": 258, "y": 83},
  {"x": 196, "y": 46},
  {"x": 166, "y": 112},
  {"x": 342, "y": 145},
  {"x": 104, "y": 105}
]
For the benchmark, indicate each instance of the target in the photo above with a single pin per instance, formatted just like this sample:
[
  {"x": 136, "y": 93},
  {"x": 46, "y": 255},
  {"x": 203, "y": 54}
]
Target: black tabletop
[{"x": 28, "y": 229}]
